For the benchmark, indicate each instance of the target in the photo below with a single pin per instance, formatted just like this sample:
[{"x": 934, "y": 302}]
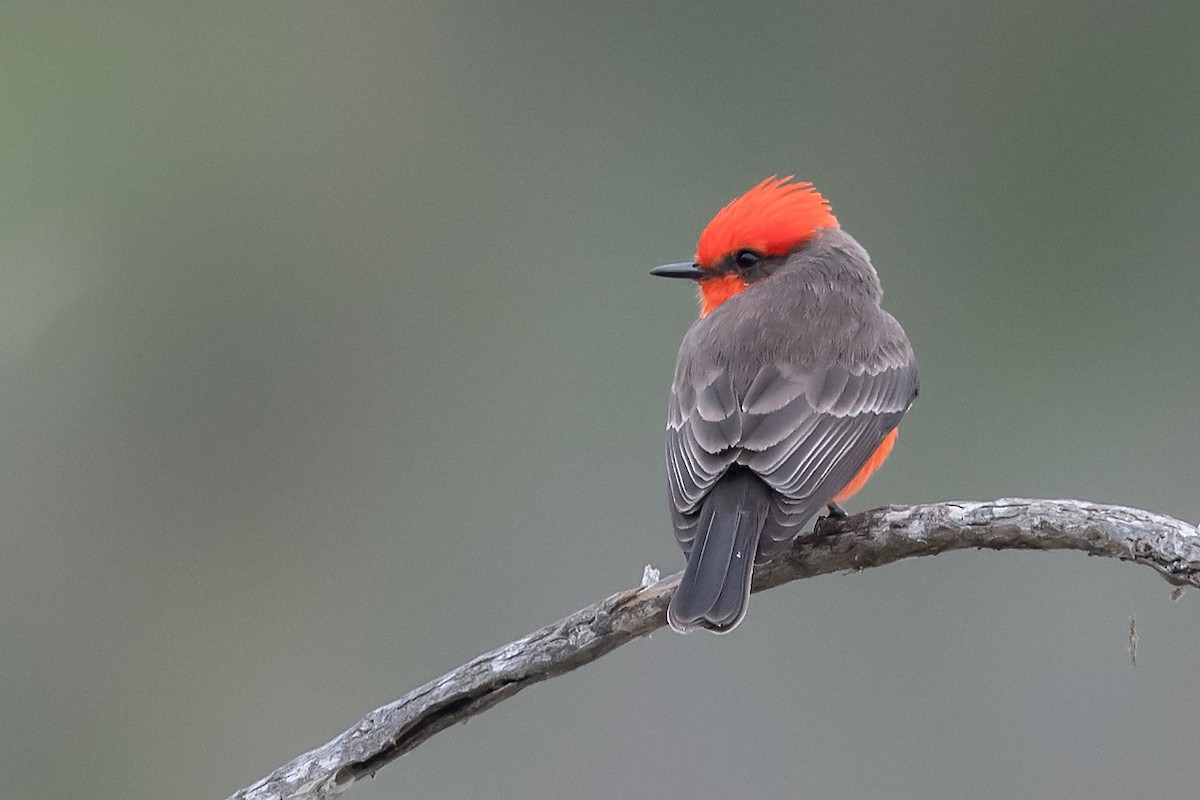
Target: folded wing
[{"x": 806, "y": 431}]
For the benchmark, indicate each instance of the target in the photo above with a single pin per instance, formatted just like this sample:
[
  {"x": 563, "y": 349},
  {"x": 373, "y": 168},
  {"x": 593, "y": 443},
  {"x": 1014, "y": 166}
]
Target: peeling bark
[{"x": 871, "y": 539}]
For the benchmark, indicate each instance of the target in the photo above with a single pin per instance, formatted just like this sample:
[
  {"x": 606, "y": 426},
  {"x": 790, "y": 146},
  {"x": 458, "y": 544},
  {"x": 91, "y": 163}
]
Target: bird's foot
[{"x": 828, "y": 525}]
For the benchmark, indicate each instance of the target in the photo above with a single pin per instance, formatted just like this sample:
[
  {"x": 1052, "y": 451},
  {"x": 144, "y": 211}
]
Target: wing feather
[{"x": 805, "y": 432}]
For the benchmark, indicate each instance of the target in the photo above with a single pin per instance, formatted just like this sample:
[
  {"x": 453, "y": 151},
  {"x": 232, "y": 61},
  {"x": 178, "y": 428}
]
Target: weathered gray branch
[{"x": 866, "y": 540}]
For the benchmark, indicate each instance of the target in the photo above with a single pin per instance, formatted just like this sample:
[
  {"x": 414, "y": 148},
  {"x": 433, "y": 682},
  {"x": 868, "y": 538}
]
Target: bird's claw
[{"x": 828, "y": 525}]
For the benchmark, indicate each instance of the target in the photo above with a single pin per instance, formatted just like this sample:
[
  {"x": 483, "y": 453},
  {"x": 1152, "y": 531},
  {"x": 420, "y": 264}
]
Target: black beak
[{"x": 684, "y": 269}]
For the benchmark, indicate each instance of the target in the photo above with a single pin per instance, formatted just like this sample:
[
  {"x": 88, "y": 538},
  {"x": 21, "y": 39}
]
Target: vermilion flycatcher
[{"x": 787, "y": 390}]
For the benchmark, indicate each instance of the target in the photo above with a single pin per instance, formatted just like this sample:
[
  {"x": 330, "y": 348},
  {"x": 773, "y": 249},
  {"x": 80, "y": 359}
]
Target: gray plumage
[{"x": 781, "y": 394}]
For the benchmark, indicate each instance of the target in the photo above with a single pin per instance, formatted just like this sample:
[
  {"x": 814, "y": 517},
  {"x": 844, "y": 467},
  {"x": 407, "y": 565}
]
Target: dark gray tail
[{"x": 715, "y": 588}]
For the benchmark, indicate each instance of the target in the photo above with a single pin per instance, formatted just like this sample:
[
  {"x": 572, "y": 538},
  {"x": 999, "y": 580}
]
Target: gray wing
[
  {"x": 805, "y": 431},
  {"x": 704, "y": 426}
]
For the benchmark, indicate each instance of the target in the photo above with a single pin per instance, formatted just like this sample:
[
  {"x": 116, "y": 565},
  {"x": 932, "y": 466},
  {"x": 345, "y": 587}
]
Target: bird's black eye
[{"x": 747, "y": 259}]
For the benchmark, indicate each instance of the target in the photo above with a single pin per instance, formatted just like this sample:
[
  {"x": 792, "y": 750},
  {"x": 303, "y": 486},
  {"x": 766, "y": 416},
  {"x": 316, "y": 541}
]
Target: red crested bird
[{"x": 787, "y": 392}]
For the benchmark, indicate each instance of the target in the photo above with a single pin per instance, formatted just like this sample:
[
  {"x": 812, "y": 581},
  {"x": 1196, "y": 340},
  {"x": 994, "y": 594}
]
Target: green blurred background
[{"x": 328, "y": 360}]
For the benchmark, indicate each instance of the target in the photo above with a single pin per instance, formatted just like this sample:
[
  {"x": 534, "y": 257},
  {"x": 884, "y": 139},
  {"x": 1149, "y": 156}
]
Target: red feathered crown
[{"x": 772, "y": 218}]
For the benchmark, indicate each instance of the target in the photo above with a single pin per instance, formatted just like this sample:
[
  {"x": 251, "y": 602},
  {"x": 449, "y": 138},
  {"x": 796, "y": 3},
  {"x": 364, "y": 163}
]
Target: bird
[{"x": 787, "y": 392}]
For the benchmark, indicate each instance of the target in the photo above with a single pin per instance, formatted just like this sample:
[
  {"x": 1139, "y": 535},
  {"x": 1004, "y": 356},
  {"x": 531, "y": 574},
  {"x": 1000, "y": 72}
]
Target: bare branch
[{"x": 871, "y": 539}]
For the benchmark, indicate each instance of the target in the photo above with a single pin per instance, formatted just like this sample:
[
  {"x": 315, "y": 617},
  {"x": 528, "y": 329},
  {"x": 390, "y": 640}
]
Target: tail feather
[{"x": 715, "y": 588}]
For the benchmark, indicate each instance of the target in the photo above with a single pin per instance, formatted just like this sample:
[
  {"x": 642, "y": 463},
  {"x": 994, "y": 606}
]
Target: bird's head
[{"x": 752, "y": 237}]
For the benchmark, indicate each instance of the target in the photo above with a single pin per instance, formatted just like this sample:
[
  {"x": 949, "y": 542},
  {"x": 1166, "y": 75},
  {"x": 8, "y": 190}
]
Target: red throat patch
[
  {"x": 772, "y": 219},
  {"x": 714, "y": 291}
]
